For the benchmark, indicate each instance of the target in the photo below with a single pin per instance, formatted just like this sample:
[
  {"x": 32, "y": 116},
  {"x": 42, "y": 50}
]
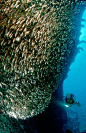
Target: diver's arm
[{"x": 78, "y": 103}]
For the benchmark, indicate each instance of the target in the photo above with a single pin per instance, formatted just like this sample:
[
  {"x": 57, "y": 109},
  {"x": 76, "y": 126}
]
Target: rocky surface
[
  {"x": 54, "y": 119},
  {"x": 72, "y": 120},
  {"x": 10, "y": 125},
  {"x": 76, "y": 119}
]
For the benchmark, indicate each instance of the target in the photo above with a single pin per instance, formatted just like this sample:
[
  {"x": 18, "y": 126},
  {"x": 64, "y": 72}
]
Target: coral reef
[{"x": 37, "y": 43}]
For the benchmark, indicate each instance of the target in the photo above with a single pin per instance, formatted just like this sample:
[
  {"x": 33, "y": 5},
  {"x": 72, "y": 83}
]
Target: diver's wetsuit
[{"x": 70, "y": 100}]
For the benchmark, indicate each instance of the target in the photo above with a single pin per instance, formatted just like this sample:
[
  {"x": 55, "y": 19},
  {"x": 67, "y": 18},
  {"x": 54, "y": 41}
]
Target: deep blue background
[{"x": 76, "y": 81}]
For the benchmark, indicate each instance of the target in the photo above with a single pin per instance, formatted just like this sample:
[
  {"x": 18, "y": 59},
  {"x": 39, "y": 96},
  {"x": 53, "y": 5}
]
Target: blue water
[{"x": 75, "y": 83}]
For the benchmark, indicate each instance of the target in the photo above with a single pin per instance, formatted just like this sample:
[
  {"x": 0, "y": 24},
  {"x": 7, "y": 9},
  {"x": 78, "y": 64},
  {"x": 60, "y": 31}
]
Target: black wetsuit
[{"x": 70, "y": 100}]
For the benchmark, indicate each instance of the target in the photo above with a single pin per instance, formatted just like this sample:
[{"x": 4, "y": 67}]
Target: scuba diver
[{"x": 70, "y": 100}]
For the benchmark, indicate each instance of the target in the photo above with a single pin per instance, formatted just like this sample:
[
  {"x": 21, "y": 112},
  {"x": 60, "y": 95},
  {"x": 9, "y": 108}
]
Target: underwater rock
[
  {"x": 69, "y": 131},
  {"x": 51, "y": 120},
  {"x": 72, "y": 120},
  {"x": 9, "y": 125},
  {"x": 37, "y": 44}
]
